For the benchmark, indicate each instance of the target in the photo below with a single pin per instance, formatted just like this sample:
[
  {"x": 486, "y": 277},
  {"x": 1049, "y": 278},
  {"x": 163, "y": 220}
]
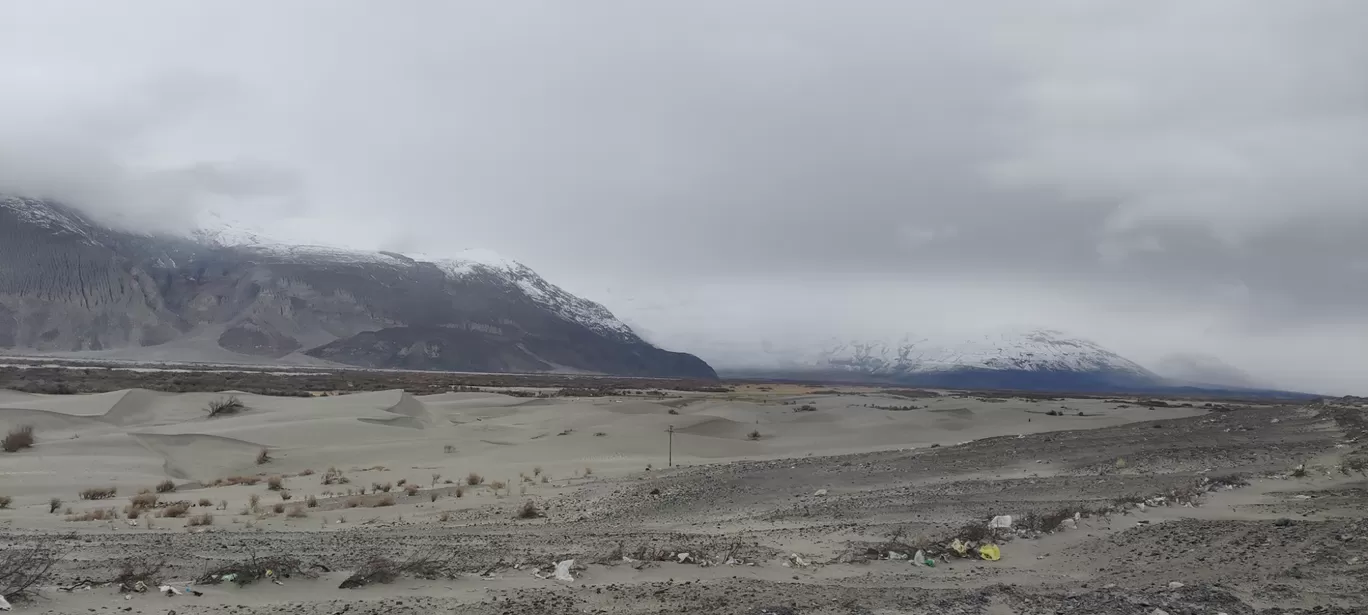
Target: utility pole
[{"x": 671, "y": 430}]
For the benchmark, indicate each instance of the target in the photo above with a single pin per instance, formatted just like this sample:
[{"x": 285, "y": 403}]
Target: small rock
[
  {"x": 1175, "y": 585},
  {"x": 820, "y": 492},
  {"x": 1159, "y": 612}
]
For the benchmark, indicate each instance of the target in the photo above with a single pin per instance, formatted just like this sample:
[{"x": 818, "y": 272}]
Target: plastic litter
[
  {"x": 682, "y": 557},
  {"x": 168, "y": 590},
  {"x": 140, "y": 587},
  {"x": 820, "y": 492},
  {"x": 919, "y": 558},
  {"x": 798, "y": 560},
  {"x": 990, "y": 552},
  {"x": 896, "y": 556},
  {"x": 1001, "y": 522},
  {"x": 228, "y": 578},
  {"x": 4, "y": 604},
  {"x": 959, "y": 547},
  {"x": 563, "y": 570},
  {"x": 1175, "y": 585}
]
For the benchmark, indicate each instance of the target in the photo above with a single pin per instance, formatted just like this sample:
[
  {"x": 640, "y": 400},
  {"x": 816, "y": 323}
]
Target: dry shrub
[
  {"x": 254, "y": 500},
  {"x": 429, "y": 564},
  {"x": 200, "y": 520},
  {"x": 435, "y": 478},
  {"x": 263, "y": 457},
  {"x": 54, "y": 504},
  {"x": 205, "y": 502},
  {"x": 402, "y": 482},
  {"x": 285, "y": 496},
  {"x": 588, "y": 471},
  {"x": 134, "y": 570},
  {"x": 537, "y": 471},
  {"x": 24, "y": 567},
  {"x": 18, "y": 439},
  {"x": 474, "y": 479},
  {"x": 386, "y": 487},
  {"x": 1047, "y": 521},
  {"x": 353, "y": 502},
  {"x": 179, "y": 509},
  {"x": 444, "y": 517},
  {"x": 297, "y": 512},
  {"x": 529, "y": 510},
  {"x": 460, "y": 492},
  {"x": 242, "y": 480},
  {"x": 99, "y": 514},
  {"x": 311, "y": 502},
  {"x": 143, "y": 500},
  {"x": 5, "y": 501},
  {"x": 166, "y": 486},
  {"x": 385, "y": 501},
  {"x": 754, "y": 435},
  {"x": 306, "y": 473},
  {"x": 432, "y": 497},
  {"x": 275, "y": 483},
  {"x": 411, "y": 490},
  {"x": 498, "y": 484},
  {"x": 231, "y": 405},
  {"x": 278, "y": 508},
  {"x": 545, "y": 479},
  {"x": 252, "y": 569},
  {"x": 99, "y": 493}
]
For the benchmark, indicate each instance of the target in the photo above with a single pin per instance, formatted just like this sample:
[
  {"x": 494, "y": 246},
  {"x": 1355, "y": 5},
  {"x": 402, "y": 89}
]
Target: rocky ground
[{"x": 1245, "y": 510}]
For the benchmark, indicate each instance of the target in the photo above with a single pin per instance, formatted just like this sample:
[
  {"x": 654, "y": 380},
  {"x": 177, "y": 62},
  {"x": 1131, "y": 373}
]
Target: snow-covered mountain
[
  {"x": 69, "y": 284},
  {"x": 1012, "y": 359}
]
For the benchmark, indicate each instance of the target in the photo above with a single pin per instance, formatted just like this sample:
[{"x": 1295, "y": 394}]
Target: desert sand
[{"x": 779, "y": 498}]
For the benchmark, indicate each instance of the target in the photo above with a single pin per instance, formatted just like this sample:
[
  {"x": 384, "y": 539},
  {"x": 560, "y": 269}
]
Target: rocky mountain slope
[
  {"x": 1031, "y": 359},
  {"x": 69, "y": 284}
]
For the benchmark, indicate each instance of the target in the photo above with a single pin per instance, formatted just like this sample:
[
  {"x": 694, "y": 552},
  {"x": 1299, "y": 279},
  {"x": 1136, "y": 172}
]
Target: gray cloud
[{"x": 1165, "y": 177}]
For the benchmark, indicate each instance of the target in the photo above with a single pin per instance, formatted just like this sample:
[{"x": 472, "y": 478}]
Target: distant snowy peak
[
  {"x": 1032, "y": 350},
  {"x": 46, "y": 214}
]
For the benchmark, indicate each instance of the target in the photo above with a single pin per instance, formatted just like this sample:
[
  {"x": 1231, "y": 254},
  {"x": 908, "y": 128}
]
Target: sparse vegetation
[
  {"x": 225, "y": 406},
  {"x": 459, "y": 492},
  {"x": 805, "y": 408},
  {"x": 436, "y": 477},
  {"x": 99, "y": 493},
  {"x": 311, "y": 502},
  {"x": 754, "y": 435},
  {"x": 254, "y": 501},
  {"x": 444, "y": 517},
  {"x": 1300, "y": 471},
  {"x": 411, "y": 490},
  {"x": 54, "y": 504},
  {"x": 5, "y": 501},
  {"x": 424, "y": 565},
  {"x": 200, "y": 520},
  {"x": 297, "y": 512},
  {"x": 278, "y": 508},
  {"x": 253, "y": 569},
  {"x": 143, "y": 501},
  {"x": 537, "y": 471},
  {"x": 285, "y": 495},
  {"x": 498, "y": 485},
  {"x": 449, "y": 449},
  {"x": 474, "y": 479},
  {"x": 263, "y": 457},
  {"x": 18, "y": 439},
  {"x": 385, "y": 501},
  {"x": 166, "y": 486},
  {"x": 275, "y": 483},
  {"x": 99, "y": 514},
  {"x": 204, "y": 503}
]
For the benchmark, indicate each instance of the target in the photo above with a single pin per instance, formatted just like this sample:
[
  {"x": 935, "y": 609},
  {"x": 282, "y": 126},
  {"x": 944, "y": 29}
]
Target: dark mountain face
[{"x": 68, "y": 284}]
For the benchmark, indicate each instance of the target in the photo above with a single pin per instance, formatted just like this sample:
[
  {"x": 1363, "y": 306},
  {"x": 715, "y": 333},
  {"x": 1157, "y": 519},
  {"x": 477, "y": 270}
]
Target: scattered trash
[
  {"x": 563, "y": 570},
  {"x": 140, "y": 587},
  {"x": 1175, "y": 585},
  {"x": 1301, "y": 496},
  {"x": 896, "y": 556},
  {"x": 731, "y": 561},
  {"x": 990, "y": 552},
  {"x": 799, "y": 561},
  {"x": 919, "y": 559},
  {"x": 1069, "y": 524},
  {"x": 168, "y": 590},
  {"x": 230, "y": 577},
  {"x": 4, "y": 604},
  {"x": 682, "y": 557},
  {"x": 1001, "y": 522},
  {"x": 959, "y": 547},
  {"x": 820, "y": 492}
]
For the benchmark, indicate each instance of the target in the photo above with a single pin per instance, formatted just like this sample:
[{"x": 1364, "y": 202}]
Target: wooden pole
[{"x": 671, "y": 430}]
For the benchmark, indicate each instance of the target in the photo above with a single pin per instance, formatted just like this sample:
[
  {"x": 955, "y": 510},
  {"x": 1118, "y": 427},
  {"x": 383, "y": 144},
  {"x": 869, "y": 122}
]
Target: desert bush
[
  {"x": 311, "y": 502},
  {"x": 754, "y": 435},
  {"x": 411, "y": 490},
  {"x": 222, "y": 406},
  {"x": 205, "y": 502},
  {"x": 435, "y": 478},
  {"x": 242, "y": 480},
  {"x": 275, "y": 483},
  {"x": 432, "y": 496},
  {"x": 805, "y": 408},
  {"x": 54, "y": 504},
  {"x": 449, "y": 449},
  {"x": 179, "y": 509},
  {"x": 459, "y": 492},
  {"x": 263, "y": 457},
  {"x": 199, "y": 520},
  {"x": 386, "y": 487},
  {"x": 134, "y": 570},
  {"x": 529, "y": 510},
  {"x": 974, "y": 531},
  {"x": 1045, "y": 522},
  {"x": 497, "y": 485},
  {"x": 143, "y": 500},
  {"x": 307, "y": 473},
  {"x": 278, "y": 508},
  {"x": 297, "y": 513},
  {"x": 385, "y": 501},
  {"x": 600, "y": 434},
  {"x": 18, "y": 439},
  {"x": 444, "y": 517},
  {"x": 99, "y": 514},
  {"x": 353, "y": 502},
  {"x": 5, "y": 501},
  {"x": 545, "y": 479},
  {"x": 166, "y": 486},
  {"x": 474, "y": 479},
  {"x": 537, "y": 471},
  {"x": 252, "y": 569},
  {"x": 424, "y": 565},
  {"x": 24, "y": 567},
  {"x": 402, "y": 482},
  {"x": 99, "y": 493},
  {"x": 254, "y": 501},
  {"x": 588, "y": 471},
  {"x": 285, "y": 495},
  {"x": 1300, "y": 471},
  {"x": 1232, "y": 479}
]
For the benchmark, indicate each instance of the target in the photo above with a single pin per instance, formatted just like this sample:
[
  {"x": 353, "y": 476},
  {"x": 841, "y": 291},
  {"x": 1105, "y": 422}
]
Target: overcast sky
[{"x": 1162, "y": 177}]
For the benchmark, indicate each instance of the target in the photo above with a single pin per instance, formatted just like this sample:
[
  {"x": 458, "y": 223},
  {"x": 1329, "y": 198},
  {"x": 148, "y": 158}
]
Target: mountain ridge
[{"x": 69, "y": 284}]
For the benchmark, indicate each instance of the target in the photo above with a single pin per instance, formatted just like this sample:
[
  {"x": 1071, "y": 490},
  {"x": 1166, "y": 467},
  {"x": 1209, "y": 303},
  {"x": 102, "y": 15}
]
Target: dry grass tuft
[
  {"x": 474, "y": 479},
  {"x": 200, "y": 520},
  {"x": 386, "y": 501},
  {"x": 424, "y": 565},
  {"x": 275, "y": 483},
  {"x": 297, "y": 513},
  {"x": 166, "y": 486},
  {"x": 754, "y": 435},
  {"x": 99, "y": 514},
  {"x": 179, "y": 509},
  {"x": 460, "y": 492},
  {"x": 411, "y": 490},
  {"x": 353, "y": 502},
  {"x": 311, "y": 502},
  {"x": 278, "y": 508},
  {"x": 498, "y": 484},
  {"x": 5, "y": 501},
  {"x": 242, "y": 480},
  {"x": 143, "y": 500},
  {"x": 18, "y": 439},
  {"x": 205, "y": 502},
  {"x": 263, "y": 457}
]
